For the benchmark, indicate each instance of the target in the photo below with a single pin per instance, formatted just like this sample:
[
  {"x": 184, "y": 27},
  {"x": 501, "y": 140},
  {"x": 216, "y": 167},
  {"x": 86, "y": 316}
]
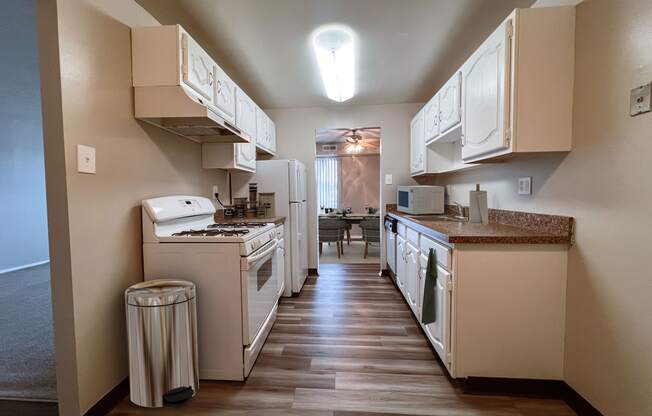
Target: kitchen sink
[{"x": 442, "y": 217}]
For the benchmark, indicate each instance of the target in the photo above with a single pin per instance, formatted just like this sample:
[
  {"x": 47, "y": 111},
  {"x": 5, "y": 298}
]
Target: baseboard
[
  {"x": 110, "y": 400},
  {"x": 313, "y": 272},
  {"x": 24, "y": 266},
  {"x": 548, "y": 389}
]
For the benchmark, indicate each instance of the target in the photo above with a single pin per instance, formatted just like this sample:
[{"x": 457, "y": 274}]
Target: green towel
[{"x": 429, "y": 310}]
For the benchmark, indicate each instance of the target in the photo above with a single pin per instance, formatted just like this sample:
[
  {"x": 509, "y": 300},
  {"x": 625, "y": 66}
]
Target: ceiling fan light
[{"x": 334, "y": 49}]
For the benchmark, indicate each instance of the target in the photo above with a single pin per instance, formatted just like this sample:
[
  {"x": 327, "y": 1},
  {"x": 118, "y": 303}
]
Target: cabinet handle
[
  {"x": 210, "y": 78},
  {"x": 463, "y": 140}
]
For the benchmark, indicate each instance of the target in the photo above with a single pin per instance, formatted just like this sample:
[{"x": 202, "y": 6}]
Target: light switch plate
[
  {"x": 85, "y": 159},
  {"x": 389, "y": 179},
  {"x": 639, "y": 100},
  {"x": 525, "y": 185}
]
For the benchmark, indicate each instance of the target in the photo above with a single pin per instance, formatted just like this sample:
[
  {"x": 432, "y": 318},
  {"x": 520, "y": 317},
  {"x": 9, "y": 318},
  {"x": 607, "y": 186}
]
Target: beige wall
[
  {"x": 295, "y": 132},
  {"x": 360, "y": 185},
  {"x": 604, "y": 184},
  {"x": 134, "y": 161}
]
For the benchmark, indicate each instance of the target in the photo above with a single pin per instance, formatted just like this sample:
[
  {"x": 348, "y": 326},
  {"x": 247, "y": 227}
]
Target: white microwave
[{"x": 420, "y": 199}]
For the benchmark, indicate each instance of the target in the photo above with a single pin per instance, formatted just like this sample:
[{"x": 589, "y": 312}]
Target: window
[{"x": 328, "y": 181}]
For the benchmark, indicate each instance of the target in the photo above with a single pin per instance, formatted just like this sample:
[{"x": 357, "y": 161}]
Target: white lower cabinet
[
  {"x": 412, "y": 277},
  {"x": 401, "y": 264},
  {"x": 497, "y": 306},
  {"x": 438, "y": 332}
]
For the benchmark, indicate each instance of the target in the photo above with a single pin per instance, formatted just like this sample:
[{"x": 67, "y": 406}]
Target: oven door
[{"x": 259, "y": 288}]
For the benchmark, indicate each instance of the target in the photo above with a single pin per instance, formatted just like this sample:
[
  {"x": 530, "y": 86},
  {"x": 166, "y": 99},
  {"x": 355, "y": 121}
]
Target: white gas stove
[
  {"x": 189, "y": 219},
  {"x": 236, "y": 268}
]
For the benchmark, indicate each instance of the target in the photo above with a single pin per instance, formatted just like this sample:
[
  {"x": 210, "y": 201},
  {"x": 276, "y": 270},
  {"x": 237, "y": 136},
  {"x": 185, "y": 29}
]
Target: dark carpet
[{"x": 27, "y": 368}]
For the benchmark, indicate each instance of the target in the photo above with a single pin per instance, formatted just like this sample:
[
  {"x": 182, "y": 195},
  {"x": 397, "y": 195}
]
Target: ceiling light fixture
[{"x": 334, "y": 48}]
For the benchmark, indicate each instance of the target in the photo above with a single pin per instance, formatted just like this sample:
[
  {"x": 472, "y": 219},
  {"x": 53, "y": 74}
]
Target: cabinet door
[
  {"x": 412, "y": 277},
  {"x": 390, "y": 249},
  {"x": 197, "y": 68},
  {"x": 245, "y": 114},
  {"x": 225, "y": 94},
  {"x": 417, "y": 145},
  {"x": 438, "y": 332},
  {"x": 431, "y": 119},
  {"x": 271, "y": 130},
  {"x": 245, "y": 156},
  {"x": 400, "y": 263},
  {"x": 262, "y": 129},
  {"x": 485, "y": 96},
  {"x": 450, "y": 113}
]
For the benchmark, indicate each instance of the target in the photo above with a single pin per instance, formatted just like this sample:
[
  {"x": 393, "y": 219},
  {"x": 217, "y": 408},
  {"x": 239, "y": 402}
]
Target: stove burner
[
  {"x": 238, "y": 225},
  {"x": 212, "y": 233}
]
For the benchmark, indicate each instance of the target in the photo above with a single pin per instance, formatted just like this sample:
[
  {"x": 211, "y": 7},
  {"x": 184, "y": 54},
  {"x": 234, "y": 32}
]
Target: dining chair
[
  {"x": 332, "y": 231},
  {"x": 370, "y": 233}
]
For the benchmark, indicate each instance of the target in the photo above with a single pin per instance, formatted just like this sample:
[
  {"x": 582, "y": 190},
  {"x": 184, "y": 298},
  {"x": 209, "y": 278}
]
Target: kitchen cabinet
[
  {"x": 401, "y": 262},
  {"x": 486, "y": 95},
  {"x": 431, "y": 119},
  {"x": 390, "y": 250},
  {"x": 496, "y": 305},
  {"x": 265, "y": 133},
  {"x": 225, "y": 90},
  {"x": 438, "y": 332},
  {"x": 412, "y": 277},
  {"x": 517, "y": 87},
  {"x": 417, "y": 145},
  {"x": 514, "y": 95},
  {"x": 450, "y": 109},
  {"x": 197, "y": 68},
  {"x": 239, "y": 156},
  {"x": 245, "y": 114}
]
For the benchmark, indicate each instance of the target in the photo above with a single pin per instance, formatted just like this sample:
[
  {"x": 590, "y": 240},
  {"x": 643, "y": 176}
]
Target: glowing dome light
[{"x": 335, "y": 51}]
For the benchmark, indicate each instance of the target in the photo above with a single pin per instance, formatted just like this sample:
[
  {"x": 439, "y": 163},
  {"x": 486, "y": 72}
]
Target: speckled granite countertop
[
  {"x": 275, "y": 220},
  {"x": 505, "y": 227}
]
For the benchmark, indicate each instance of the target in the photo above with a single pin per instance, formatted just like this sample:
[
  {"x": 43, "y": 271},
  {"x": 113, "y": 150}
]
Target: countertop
[
  {"x": 275, "y": 220},
  {"x": 525, "y": 228}
]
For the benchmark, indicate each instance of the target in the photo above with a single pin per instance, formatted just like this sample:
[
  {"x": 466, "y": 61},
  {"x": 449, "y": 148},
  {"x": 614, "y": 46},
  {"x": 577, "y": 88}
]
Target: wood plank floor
[{"x": 347, "y": 346}]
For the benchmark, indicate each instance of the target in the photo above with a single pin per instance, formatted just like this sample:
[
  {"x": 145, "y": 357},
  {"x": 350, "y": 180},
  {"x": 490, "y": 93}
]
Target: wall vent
[{"x": 329, "y": 147}]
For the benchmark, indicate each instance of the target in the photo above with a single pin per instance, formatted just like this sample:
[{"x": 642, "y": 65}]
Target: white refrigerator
[{"x": 287, "y": 180}]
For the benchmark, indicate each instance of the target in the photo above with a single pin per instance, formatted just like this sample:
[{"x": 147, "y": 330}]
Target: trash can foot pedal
[{"x": 178, "y": 395}]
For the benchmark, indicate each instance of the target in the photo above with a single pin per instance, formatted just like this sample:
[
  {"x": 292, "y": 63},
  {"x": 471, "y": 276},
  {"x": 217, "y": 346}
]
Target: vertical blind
[{"x": 328, "y": 172}]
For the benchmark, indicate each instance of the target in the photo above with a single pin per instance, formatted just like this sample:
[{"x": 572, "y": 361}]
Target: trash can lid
[{"x": 160, "y": 292}]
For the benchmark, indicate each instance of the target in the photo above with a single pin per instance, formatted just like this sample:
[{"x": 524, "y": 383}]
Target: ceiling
[
  {"x": 339, "y": 135},
  {"x": 405, "y": 49}
]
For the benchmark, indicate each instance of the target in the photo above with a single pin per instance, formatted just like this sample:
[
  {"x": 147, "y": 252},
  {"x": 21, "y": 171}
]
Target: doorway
[{"x": 347, "y": 168}]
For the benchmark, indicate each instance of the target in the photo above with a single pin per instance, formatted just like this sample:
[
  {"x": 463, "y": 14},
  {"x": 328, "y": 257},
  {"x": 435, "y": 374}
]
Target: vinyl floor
[{"x": 348, "y": 346}]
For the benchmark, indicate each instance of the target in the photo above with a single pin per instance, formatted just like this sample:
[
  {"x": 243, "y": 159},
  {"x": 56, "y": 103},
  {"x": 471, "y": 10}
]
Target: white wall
[
  {"x": 604, "y": 183},
  {"x": 296, "y": 140},
  {"x": 96, "y": 219},
  {"x": 23, "y": 215}
]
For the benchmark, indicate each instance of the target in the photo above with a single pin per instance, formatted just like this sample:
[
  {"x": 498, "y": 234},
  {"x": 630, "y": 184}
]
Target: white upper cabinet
[
  {"x": 245, "y": 113},
  {"x": 225, "y": 90},
  {"x": 417, "y": 144},
  {"x": 265, "y": 133},
  {"x": 485, "y": 94},
  {"x": 450, "y": 109},
  {"x": 431, "y": 119},
  {"x": 197, "y": 68},
  {"x": 513, "y": 95},
  {"x": 245, "y": 156},
  {"x": 272, "y": 136}
]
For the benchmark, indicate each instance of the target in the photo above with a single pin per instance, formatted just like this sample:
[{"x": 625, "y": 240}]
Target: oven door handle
[{"x": 253, "y": 259}]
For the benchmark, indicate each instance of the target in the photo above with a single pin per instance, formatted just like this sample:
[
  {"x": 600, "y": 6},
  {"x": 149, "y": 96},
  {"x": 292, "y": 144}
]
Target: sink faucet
[{"x": 460, "y": 210}]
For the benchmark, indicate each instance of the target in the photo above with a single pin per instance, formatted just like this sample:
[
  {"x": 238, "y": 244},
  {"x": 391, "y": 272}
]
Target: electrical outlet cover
[
  {"x": 525, "y": 185},
  {"x": 639, "y": 101},
  {"x": 85, "y": 159}
]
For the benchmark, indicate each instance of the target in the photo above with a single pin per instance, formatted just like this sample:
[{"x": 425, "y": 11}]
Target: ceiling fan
[{"x": 355, "y": 141}]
